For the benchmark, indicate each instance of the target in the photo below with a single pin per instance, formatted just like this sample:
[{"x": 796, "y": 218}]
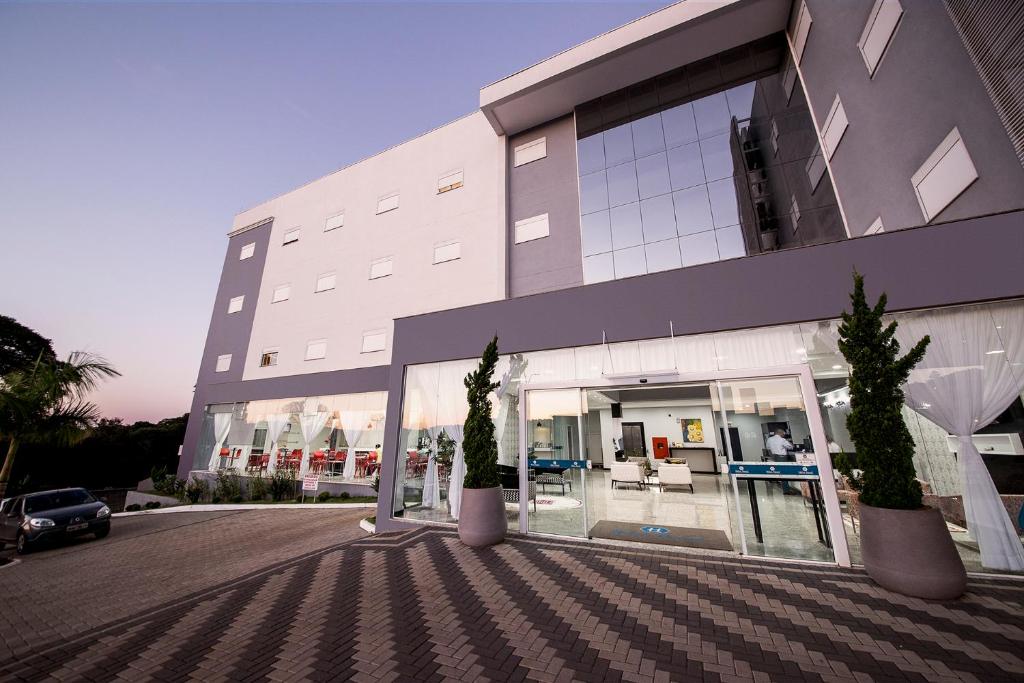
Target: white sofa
[
  {"x": 675, "y": 475},
  {"x": 627, "y": 473}
]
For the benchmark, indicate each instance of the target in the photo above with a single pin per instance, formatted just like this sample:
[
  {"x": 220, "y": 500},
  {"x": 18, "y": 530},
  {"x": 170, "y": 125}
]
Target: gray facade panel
[
  {"x": 354, "y": 381},
  {"x": 545, "y": 186},
  {"x": 923, "y": 87},
  {"x": 918, "y": 268},
  {"x": 228, "y": 333}
]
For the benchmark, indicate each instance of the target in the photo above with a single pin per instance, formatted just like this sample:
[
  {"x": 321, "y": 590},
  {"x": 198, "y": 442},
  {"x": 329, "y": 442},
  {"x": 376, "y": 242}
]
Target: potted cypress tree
[
  {"x": 482, "y": 515},
  {"x": 905, "y": 545}
]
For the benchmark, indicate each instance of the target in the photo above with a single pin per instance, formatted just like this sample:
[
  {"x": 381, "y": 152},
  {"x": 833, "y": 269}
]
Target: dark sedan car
[{"x": 34, "y": 518}]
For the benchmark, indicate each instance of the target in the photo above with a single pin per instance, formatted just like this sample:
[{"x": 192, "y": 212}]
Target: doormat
[{"x": 710, "y": 539}]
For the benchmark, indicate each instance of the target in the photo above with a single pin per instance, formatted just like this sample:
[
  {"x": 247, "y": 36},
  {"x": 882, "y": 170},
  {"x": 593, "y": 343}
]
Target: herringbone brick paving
[{"x": 420, "y": 606}]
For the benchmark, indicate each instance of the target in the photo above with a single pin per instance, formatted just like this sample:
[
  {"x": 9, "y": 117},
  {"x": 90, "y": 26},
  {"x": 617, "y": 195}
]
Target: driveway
[{"x": 284, "y": 596}]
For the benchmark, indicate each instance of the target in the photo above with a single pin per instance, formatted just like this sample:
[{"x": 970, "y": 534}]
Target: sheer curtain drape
[
  {"x": 311, "y": 422},
  {"x": 276, "y": 422},
  {"x": 431, "y": 485},
  {"x": 452, "y": 409},
  {"x": 971, "y": 373},
  {"x": 221, "y": 427}
]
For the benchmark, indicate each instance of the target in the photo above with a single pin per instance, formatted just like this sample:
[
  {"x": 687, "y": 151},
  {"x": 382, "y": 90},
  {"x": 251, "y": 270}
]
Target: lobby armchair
[{"x": 627, "y": 473}]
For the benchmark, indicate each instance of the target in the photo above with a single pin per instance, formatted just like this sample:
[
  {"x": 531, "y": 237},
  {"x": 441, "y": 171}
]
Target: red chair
[{"x": 264, "y": 462}]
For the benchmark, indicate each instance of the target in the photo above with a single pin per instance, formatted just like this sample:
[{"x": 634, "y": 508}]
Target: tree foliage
[
  {"x": 885, "y": 448},
  {"x": 478, "y": 444},
  {"x": 21, "y": 346}
]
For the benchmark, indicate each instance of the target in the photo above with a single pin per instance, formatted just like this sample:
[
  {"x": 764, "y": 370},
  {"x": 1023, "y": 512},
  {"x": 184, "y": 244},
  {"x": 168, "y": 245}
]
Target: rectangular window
[
  {"x": 316, "y": 349},
  {"x": 374, "y": 341},
  {"x": 882, "y": 22},
  {"x": 235, "y": 305},
  {"x": 449, "y": 182},
  {"x": 281, "y": 293},
  {"x": 876, "y": 227},
  {"x": 835, "y": 125},
  {"x": 291, "y": 236},
  {"x": 269, "y": 358},
  {"x": 532, "y": 228},
  {"x": 801, "y": 28},
  {"x": 449, "y": 251},
  {"x": 944, "y": 175},
  {"x": 789, "y": 79},
  {"x": 325, "y": 282},
  {"x": 815, "y": 168},
  {"x": 775, "y": 138},
  {"x": 530, "y": 151},
  {"x": 380, "y": 268},
  {"x": 334, "y": 222},
  {"x": 388, "y": 203},
  {"x": 223, "y": 363},
  {"x": 795, "y": 211},
  {"x": 247, "y": 251}
]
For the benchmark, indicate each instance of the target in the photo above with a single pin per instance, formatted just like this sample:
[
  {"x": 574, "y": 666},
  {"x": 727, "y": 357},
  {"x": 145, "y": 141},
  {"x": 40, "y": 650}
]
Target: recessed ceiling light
[
  {"x": 994, "y": 352},
  {"x": 837, "y": 367}
]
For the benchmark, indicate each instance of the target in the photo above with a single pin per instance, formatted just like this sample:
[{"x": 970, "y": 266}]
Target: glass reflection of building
[{"x": 712, "y": 161}]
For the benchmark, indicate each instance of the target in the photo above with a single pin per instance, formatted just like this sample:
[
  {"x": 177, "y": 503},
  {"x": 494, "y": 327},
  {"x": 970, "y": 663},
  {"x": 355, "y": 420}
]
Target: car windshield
[{"x": 57, "y": 499}]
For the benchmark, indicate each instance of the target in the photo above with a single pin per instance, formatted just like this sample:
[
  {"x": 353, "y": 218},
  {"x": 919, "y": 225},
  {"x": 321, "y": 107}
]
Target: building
[{"x": 660, "y": 225}]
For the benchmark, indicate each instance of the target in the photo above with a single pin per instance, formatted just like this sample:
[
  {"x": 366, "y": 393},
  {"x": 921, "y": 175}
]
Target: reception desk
[{"x": 701, "y": 460}]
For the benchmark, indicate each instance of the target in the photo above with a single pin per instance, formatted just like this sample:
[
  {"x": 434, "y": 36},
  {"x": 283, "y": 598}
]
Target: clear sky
[{"x": 132, "y": 133}]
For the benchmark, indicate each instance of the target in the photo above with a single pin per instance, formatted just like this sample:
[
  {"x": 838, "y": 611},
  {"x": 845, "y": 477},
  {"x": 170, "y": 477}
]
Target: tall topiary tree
[
  {"x": 885, "y": 449},
  {"x": 478, "y": 445}
]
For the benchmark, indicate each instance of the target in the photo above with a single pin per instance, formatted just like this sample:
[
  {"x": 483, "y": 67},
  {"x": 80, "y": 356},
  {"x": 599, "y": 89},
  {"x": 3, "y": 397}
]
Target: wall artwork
[{"x": 693, "y": 430}]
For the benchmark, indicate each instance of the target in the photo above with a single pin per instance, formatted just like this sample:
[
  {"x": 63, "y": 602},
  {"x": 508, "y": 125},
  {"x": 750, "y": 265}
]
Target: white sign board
[{"x": 310, "y": 482}]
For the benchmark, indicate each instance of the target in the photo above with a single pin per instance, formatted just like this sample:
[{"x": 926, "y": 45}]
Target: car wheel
[
  {"x": 103, "y": 533},
  {"x": 23, "y": 545}
]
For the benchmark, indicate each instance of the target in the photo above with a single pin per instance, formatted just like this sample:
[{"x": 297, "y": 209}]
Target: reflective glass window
[
  {"x": 597, "y": 233},
  {"x": 685, "y": 166},
  {"x": 627, "y": 231},
  {"x": 699, "y": 248},
  {"x": 598, "y": 268},
  {"x": 652, "y": 176},
  {"x": 663, "y": 255},
  {"x": 693, "y": 211},
  {"x": 659, "y": 219},
  {"x": 590, "y": 154},
  {"x": 622, "y": 184},
  {"x": 618, "y": 145},
  {"x": 593, "y": 193},
  {"x": 648, "y": 137},
  {"x": 630, "y": 262}
]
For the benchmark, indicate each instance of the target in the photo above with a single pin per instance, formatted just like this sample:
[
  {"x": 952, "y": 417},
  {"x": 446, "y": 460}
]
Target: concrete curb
[
  {"x": 243, "y": 506},
  {"x": 368, "y": 526}
]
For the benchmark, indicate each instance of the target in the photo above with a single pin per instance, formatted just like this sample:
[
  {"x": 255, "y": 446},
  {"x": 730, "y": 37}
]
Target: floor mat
[{"x": 710, "y": 539}]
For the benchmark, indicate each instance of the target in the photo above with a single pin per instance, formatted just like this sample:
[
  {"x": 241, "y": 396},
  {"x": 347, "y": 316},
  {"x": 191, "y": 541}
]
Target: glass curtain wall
[
  {"x": 997, "y": 371},
  {"x": 337, "y": 437},
  {"x": 692, "y": 167}
]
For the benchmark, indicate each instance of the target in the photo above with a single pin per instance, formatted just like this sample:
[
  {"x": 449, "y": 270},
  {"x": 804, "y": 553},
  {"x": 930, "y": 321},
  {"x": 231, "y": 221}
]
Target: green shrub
[
  {"x": 228, "y": 486},
  {"x": 134, "y": 507},
  {"x": 196, "y": 490},
  {"x": 324, "y": 496},
  {"x": 281, "y": 485},
  {"x": 153, "y": 504},
  {"x": 159, "y": 476},
  {"x": 345, "y": 495},
  {"x": 258, "y": 488},
  {"x": 237, "y": 499}
]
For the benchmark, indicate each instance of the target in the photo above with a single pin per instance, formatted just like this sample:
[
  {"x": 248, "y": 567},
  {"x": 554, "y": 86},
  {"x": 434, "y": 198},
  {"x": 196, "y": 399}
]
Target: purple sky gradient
[{"x": 132, "y": 134}]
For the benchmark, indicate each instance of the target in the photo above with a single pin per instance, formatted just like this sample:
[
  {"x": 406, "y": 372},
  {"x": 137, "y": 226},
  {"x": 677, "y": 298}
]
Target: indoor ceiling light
[
  {"x": 994, "y": 352},
  {"x": 837, "y": 367}
]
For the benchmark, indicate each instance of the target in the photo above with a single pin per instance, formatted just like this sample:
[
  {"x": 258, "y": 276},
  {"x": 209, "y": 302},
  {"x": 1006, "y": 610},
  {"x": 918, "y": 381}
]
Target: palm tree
[{"x": 46, "y": 402}]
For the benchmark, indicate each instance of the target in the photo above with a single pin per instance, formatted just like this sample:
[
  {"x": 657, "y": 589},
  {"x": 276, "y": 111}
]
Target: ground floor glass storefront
[
  {"x": 337, "y": 437},
  {"x": 667, "y": 454}
]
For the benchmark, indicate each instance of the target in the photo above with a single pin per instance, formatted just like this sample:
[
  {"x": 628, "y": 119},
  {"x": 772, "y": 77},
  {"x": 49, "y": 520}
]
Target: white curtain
[
  {"x": 276, "y": 422},
  {"x": 221, "y": 427},
  {"x": 311, "y": 424},
  {"x": 971, "y": 373},
  {"x": 353, "y": 425},
  {"x": 507, "y": 396},
  {"x": 458, "y": 473},
  {"x": 431, "y": 485}
]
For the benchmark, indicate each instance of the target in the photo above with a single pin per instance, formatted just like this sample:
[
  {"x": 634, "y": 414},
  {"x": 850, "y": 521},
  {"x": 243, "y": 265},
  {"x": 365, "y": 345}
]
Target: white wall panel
[
  {"x": 881, "y": 25},
  {"x": 944, "y": 175}
]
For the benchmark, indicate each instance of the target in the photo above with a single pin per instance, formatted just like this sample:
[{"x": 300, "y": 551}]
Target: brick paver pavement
[{"x": 420, "y": 606}]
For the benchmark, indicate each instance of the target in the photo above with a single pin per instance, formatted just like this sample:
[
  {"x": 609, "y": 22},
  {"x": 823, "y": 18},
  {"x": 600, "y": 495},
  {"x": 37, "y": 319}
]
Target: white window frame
[
  {"x": 533, "y": 228},
  {"x": 875, "y": 227},
  {"x": 285, "y": 289},
  {"x": 235, "y": 304},
  {"x": 247, "y": 251},
  {"x": 888, "y": 30},
  {"x": 810, "y": 167},
  {"x": 223, "y": 363},
  {"x": 374, "y": 341},
  {"x": 334, "y": 222},
  {"x": 382, "y": 267},
  {"x": 314, "y": 347},
  {"x": 449, "y": 181},
  {"x": 446, "y": 257},
  {"x": 325, "y": 282},
  {"x": 388, "y": 202},
  {"x": 291, "y": 236},
  {"x": 952, "y": 150},
  {"x": 800, "y": 32},
  {"x": 835, "y": 127},
  {"x": 273, "y": 353},
  {"x": 531, "y": 151}
]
